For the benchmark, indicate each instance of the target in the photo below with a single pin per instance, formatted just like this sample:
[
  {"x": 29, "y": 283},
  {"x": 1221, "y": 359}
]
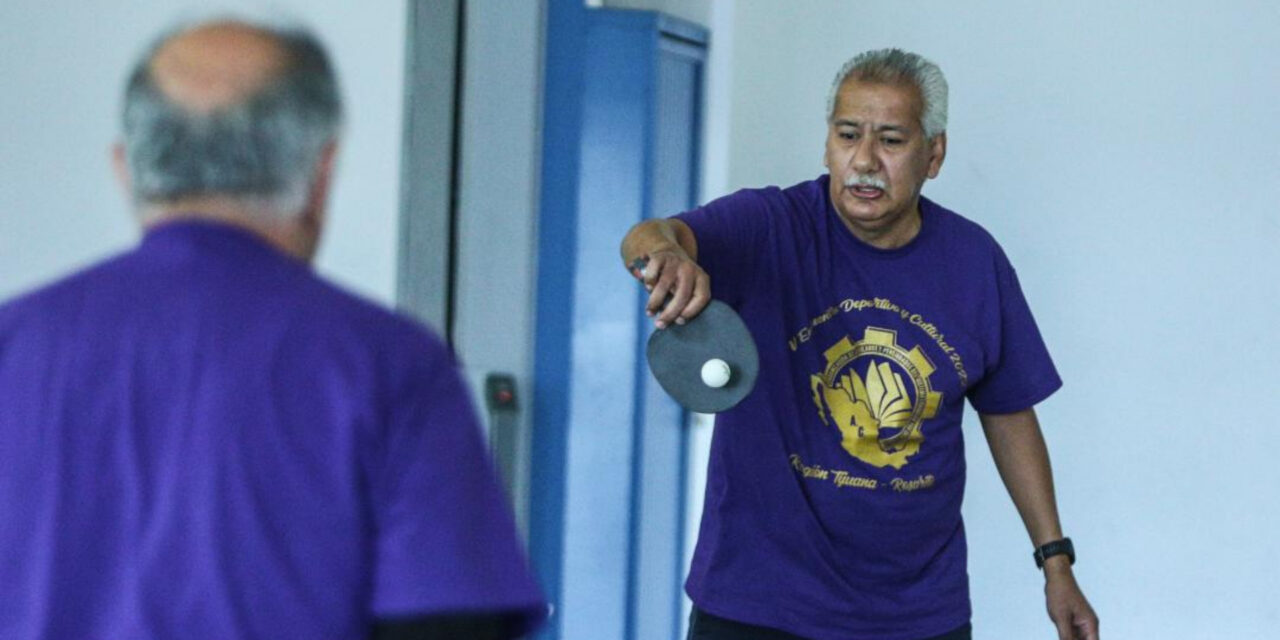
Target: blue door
[{"x": 621, "y": 123}]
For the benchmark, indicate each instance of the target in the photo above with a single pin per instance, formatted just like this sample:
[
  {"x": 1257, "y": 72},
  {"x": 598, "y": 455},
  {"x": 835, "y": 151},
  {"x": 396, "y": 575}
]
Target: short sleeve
[
  {"x": 731, "y": 233},
  {"x": 445, "y": 540},
  {"x": 1020, "y": 373}
]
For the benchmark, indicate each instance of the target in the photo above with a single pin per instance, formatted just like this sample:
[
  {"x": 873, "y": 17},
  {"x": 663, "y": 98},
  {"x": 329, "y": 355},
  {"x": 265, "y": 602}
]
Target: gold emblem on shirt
[{"x": 864, "y": 391}]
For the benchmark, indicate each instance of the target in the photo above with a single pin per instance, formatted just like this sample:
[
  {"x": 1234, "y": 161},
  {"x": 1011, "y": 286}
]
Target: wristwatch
[{"x": 1055, "y": 548}]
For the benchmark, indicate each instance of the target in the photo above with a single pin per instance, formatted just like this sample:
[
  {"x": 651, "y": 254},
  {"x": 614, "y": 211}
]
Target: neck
[
  {"x": 891, "y": 236},
  {"x": 285, "y": 234}
]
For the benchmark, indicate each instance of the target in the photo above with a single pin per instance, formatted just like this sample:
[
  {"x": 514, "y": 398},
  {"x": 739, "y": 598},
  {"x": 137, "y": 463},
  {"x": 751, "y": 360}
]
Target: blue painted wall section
[
  {"x": 621, "y": 113},
  {"x": 605, "y": 358},
  {"x": 557, "y": 242}
]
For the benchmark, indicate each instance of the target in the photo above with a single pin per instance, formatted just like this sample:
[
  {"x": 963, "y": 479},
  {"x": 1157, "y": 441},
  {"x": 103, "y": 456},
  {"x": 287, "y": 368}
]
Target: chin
[{"x": 864, "y": 215}]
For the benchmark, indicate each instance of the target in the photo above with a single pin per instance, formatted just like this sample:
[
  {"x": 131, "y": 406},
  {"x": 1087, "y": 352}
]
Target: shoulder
[
  {"x": 743, "y": 201},
  {"x": 756, "y": 211},
  {"x": 961, "y": 235},
  {"x": 62, "y": 297},
  {"x": 803, "y": 194},
  {"x": 358, "y": 347},
  {"x": 394, "y": 334},
  {"x": 956, "y": 225},
  {"x": 810, "y": 194}
]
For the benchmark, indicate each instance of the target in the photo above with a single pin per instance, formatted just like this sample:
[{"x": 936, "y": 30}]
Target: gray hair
[
  {"x": 262, "y": 150},
  {"x": 895, "y": 66}
]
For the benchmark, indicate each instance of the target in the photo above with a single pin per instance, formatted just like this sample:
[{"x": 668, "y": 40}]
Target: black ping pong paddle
[{"x": 715, "y": 340}]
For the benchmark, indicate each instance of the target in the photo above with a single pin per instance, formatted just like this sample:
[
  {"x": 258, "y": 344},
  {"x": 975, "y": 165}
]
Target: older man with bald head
[
  {"x": 200, "y": 438},
  {"x": 237, "y": 124}
]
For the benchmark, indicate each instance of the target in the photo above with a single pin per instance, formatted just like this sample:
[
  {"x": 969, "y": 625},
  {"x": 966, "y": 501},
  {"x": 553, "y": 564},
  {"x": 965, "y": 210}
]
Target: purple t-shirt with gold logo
[
  {"x": 834, "y": 490},
  {"x": 202, "y": 439}
]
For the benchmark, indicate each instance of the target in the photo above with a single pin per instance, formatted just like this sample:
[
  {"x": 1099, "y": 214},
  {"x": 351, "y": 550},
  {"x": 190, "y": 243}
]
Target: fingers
[
  {"x": 680, "y": 294},
  {"x": 701, "y": 296},
  {"x": 677, "y": 282},
  {"x": 1087, "y": 625},
  {"x": 659, "y": 277},
  {"x": 1060, "y": 613},
  {"x": 657, "y": 296},
  {"x": 1065, "y": 631},
  {"x": 1073, "y": 617},
  {"x": 678, "y": 288}
]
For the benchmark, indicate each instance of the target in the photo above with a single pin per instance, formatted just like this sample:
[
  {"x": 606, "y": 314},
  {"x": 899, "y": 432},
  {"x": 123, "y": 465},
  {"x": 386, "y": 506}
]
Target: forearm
[
  {"x": 653, "y": 236},
  {"x": 1020, "y": 454},
  {"x": 1023, "y": 461}
]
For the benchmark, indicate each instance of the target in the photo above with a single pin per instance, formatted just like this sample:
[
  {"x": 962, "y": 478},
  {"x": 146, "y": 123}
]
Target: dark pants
[{"x": 704, "y": 626}]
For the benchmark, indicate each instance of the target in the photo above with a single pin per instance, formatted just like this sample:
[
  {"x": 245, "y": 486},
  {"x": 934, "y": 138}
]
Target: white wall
[
  {"x": 497, "y": 227},
  {"x": 1126, "y": 155},
  {"x": 62, "y": 69}
]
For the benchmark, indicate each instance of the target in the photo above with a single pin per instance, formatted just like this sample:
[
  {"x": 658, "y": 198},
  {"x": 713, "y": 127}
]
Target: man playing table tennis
[{"x": 834, "y": 489}]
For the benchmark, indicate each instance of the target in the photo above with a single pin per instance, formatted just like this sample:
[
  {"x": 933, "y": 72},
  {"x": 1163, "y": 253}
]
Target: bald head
[
  {"x": 217, "y": 65},
  {"x": 236, "y": 122},
  {"x": 231, "y": 111}
]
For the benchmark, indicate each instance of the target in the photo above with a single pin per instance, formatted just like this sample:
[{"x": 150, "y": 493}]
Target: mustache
[{"x": 859, "y": 180}]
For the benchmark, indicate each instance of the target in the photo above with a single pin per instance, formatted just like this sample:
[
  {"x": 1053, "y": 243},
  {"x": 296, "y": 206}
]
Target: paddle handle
[{"x": 638, "y": 265}]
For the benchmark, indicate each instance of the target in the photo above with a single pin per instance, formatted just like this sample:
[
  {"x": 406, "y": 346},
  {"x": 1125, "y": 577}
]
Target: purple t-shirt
[
  {"x": 834, "y": 489},
  {"x": 202, "y": 439}
]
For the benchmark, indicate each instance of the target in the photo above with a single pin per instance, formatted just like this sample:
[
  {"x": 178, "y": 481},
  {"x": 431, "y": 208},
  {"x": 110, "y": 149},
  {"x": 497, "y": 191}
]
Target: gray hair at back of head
[
  {"x": 895, "y": 66},
  {"x": 261, "y": 151}
]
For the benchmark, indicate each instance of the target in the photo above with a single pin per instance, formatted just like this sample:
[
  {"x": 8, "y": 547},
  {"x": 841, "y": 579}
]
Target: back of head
[
  {"x": 898, "y": 67},
  {"x": 230, "y": 110}
]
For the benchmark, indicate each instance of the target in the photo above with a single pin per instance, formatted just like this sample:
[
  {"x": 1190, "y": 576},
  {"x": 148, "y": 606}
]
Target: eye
[
  {"x": 848, "y": 135},
  {"x": 893, "y": 142}
]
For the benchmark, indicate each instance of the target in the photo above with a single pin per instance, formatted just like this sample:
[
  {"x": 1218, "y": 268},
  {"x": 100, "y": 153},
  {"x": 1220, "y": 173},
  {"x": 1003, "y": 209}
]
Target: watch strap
[{"x": 1061, "y": 547}]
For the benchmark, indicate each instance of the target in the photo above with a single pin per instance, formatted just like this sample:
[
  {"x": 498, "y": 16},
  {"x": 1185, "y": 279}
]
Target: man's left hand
[{"x": 1068, "y": 608}]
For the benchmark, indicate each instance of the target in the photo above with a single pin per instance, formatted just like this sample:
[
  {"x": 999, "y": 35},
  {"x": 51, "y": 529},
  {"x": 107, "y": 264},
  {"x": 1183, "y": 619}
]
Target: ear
[
  {"x": 120, "y": 167},
  {"x": 318, "y": 199},
  {"x": 311, "y": 223},
  {"x": 937, "y": 153},
  {"x": 826, "y": 145}
]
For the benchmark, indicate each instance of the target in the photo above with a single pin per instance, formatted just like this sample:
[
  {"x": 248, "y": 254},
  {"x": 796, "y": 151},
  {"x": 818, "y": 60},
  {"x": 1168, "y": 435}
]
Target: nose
[{"x": 864, "y": 159}]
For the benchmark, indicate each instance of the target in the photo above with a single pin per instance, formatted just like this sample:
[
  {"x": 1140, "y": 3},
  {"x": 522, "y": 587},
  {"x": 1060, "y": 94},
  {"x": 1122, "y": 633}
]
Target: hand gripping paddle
[{"x": 709, "y": 363}]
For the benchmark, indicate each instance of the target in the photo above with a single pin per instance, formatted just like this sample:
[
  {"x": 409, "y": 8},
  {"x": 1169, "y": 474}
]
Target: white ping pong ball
[{"x": 715, "y": 373}]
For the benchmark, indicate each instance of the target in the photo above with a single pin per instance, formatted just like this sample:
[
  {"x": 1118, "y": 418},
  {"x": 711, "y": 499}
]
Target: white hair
[
  {"x": 895, "y": 66},
  {"x": 261, "y": 151}
]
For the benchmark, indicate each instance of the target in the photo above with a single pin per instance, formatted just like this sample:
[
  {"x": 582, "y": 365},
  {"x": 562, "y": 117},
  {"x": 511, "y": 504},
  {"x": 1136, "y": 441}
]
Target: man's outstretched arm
[
  {"x": 1023, "y": 461},
  {"x": 671, "y": 250}
]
